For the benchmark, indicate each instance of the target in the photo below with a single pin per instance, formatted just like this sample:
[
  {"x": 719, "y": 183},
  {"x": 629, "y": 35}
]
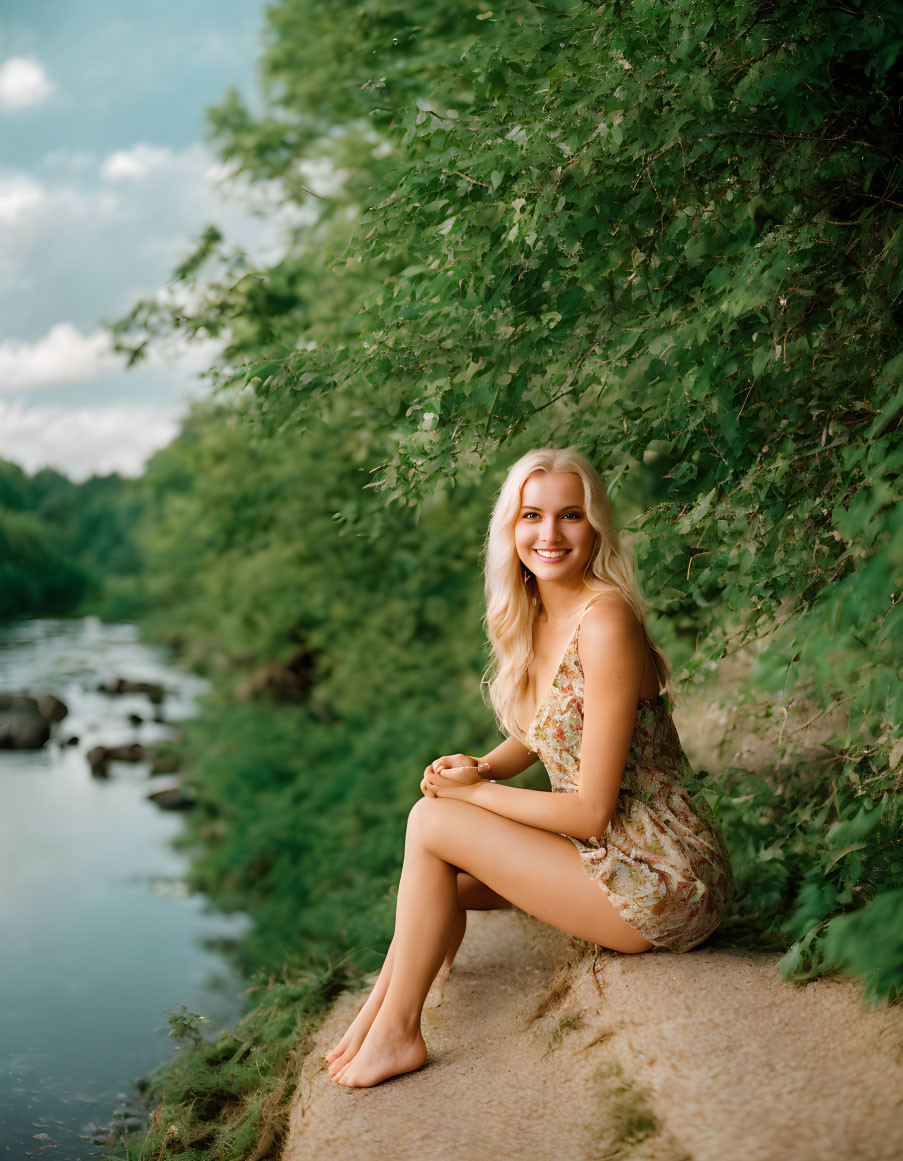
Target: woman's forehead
[{"x": 552, "y": 489}]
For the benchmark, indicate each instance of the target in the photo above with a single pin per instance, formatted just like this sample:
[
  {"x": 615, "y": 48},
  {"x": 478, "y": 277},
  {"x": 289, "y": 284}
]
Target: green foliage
[
  {"x": 869, "y": 943},
  {"x": 226, "y": 1098},
  {"x": 804, "y": 851},
  {"x": 35, "y": 578},
  {"x": 66, "y": 546},
  {"x": 184, "y": 1026},
  {"x": 301, "y": 806}
]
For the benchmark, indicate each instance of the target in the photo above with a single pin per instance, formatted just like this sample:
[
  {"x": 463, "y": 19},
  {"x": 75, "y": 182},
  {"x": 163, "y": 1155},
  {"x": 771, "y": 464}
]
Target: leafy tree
[
  {"x": 34, "y": 578},
  {"x": 66, "y": 547},
  {"x": 670, "y": 234}
]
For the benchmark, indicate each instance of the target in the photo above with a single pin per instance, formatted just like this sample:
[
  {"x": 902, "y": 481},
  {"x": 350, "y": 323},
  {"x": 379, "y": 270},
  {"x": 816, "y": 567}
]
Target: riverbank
[
  {"x": 267, "y": 1073},
  {"x": 692, "y": 1057}
]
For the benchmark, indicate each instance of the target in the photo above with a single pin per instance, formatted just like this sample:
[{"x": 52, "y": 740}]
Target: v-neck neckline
[
  {"x": 557, "y": 672},
  {"x": 654, "y": 701}
]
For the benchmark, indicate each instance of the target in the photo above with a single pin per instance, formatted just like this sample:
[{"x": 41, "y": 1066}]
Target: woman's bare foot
[
  {"x": 348, "y": 1046},
  {"x": 385, "y": 1052}
]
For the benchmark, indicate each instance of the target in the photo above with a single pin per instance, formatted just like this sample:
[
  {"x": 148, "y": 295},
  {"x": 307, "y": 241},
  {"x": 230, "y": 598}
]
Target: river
[{"x": 99, "y": 936}]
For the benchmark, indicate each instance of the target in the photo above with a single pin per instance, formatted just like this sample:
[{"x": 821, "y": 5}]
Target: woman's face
[{"x": 552, "y": 534}]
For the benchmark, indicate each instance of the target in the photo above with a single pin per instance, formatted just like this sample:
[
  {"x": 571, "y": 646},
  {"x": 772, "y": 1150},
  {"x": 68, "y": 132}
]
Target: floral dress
[{"x": 661, "y": 860}]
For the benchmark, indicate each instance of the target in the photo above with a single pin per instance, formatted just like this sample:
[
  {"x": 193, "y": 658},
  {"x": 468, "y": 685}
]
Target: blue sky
[{"x": 105, "y": 179}]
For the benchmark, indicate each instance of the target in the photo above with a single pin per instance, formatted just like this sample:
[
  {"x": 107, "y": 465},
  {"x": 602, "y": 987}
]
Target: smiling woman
[{"x": 619, "y": 855}]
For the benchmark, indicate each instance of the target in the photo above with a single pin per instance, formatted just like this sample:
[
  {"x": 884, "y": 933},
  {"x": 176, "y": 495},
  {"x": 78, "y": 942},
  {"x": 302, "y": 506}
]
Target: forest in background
[
  {"x": 668, "y": 234},
  {"x": 67, "y": 547}
]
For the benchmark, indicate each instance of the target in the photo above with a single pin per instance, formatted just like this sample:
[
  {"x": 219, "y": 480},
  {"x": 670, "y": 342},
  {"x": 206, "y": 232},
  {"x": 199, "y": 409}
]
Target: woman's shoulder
[
  {"x": 610, "y": 639},
  {"x": 609, "y": 608},
  {"x": 609, "y": 624}
]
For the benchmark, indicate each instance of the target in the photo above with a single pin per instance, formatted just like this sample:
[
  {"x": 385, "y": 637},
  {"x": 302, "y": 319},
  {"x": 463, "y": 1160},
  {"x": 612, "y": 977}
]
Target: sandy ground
[
  {"x": 539, "y": 1052},
  {"x": 518, "y": 1065},
  {"x": 739, "y": 1064},
  {"x": 535, "y": 1054}
]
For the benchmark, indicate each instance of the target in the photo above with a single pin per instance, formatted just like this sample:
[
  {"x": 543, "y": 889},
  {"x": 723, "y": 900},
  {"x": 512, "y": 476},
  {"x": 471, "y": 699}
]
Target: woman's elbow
[{"x": 593, "y": 824}]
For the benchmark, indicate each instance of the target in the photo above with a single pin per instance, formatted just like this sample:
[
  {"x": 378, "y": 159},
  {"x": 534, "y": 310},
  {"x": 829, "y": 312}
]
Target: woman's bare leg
[
  {"x": 425, "y": 914},
  {"x": 536, "y": 870},
  {"x": 472, "y": 895}
]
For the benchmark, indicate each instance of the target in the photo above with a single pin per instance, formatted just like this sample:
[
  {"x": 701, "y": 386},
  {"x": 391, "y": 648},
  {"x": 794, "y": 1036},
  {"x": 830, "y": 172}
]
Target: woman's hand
[{"x": 451, "y": 772}]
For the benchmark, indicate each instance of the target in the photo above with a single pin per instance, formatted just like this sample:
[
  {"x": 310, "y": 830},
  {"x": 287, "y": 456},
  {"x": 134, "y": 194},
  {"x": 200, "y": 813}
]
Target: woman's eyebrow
[{"x": 536, "y": 508}]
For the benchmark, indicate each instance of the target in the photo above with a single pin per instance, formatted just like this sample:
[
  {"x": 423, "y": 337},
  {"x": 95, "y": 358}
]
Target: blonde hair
[{"x": 512, "y": 602}]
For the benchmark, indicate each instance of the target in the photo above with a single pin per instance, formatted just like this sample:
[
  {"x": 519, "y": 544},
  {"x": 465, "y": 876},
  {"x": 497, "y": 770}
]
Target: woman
[{"x": 619, "y": 855}]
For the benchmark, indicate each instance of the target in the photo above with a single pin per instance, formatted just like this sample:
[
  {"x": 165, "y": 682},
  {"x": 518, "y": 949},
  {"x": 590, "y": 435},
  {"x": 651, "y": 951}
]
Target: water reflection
[{"x": 99, "y": 933}]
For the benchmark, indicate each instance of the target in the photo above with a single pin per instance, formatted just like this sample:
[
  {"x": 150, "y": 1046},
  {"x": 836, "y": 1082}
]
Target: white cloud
[
  {"x": 63, "y": 355},
  {"x": 19, "y": 195},
  {"x": 135, "y": 163},
  {"x": 23, "y": 82},
  {"x": 82, "y": 441},
  {"x": 89, "y": 240}
]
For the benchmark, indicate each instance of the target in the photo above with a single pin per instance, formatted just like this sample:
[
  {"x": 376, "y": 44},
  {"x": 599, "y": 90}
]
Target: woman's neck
[{"x": 560, "y": 605}]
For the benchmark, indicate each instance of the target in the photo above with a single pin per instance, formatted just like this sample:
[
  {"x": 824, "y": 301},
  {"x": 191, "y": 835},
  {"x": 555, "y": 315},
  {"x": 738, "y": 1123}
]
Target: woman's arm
[
  {"x": 610, "y": 648},
  {"x": 507, "y": 760}
]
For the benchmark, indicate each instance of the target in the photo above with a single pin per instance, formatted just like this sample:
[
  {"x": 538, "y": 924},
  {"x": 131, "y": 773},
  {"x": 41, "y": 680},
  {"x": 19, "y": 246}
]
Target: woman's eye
[{"x": 567, "y": 515}]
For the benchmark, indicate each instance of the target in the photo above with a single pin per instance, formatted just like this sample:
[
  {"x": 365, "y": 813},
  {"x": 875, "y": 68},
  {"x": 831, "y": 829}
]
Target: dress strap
[
  {"x": 586, "y": 609},
  {"x": 646, "y": 638}
]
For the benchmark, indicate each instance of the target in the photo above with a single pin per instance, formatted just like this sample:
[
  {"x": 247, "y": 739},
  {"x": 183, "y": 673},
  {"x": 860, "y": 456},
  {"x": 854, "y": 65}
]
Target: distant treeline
[{"x": 67, "y": 547}]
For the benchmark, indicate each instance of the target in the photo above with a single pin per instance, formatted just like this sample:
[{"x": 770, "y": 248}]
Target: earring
[{"x": 533, "y": 598}]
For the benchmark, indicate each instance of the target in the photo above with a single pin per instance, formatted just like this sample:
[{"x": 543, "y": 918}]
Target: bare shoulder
[
  {"x": 609, "y": 614},
  {"x": 610, "y": 634}
]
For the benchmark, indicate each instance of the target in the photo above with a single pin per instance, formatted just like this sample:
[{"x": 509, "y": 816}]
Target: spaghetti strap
[
  {"x": 647, "y": 640},
  {"x": 586, "y": 609}
]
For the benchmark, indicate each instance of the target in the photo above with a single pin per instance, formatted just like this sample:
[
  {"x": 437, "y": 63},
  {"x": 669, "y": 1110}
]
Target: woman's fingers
[
  {"x": 459, "y": 773},
  {"x": 455, "y": 776},
  {"x": 467, "y": 773},
  {"x": 458, "y": 769},
  {"x": 452, "y": 760}
]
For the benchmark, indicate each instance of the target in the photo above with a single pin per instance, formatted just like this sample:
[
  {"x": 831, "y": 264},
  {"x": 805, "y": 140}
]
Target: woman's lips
[{"x": 558, "y": 554}]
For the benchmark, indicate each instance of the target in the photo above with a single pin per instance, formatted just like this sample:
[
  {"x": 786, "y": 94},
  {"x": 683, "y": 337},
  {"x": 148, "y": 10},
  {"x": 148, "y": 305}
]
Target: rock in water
[
  {"x": 22, "y": 725},
  {"x": 155, "y": 693},
  {"x": 51, "y": 707},
  {"x": 172, "y": 798}
]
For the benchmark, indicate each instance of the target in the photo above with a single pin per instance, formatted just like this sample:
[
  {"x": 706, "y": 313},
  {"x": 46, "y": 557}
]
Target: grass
[
  {"x": 228, "y": 1098},
  {"x": 627, "y": 1124}
]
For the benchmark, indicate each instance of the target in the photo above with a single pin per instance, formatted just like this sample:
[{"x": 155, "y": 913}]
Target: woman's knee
[{"x": 423, "y": 817}]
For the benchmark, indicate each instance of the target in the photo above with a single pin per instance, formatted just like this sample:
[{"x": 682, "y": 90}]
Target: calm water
[{"x": 98, "y": 934}]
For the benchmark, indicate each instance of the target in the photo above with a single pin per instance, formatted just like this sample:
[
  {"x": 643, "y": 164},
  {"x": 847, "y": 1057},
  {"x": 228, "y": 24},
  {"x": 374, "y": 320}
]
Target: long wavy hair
[{"x": 512, "y": 602}]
